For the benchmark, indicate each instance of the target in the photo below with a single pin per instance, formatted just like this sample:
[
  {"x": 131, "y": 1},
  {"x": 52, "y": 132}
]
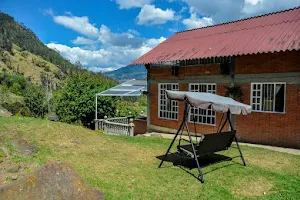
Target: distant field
[{"x": 126, "y": 167}]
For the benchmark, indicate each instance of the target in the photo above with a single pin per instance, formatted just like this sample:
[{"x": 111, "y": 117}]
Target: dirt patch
[
  {"x": 23, "y": 146},
  {"x": 52, "y": 181},
  {"x": 254, "y": 188}
]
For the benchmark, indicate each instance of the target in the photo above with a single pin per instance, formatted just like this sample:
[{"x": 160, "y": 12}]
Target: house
[{"x": 257, "y": 59}]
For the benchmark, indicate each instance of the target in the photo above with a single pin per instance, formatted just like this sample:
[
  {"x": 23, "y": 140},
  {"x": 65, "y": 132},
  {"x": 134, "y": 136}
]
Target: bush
[
  {"x": 75, "y": 103},
  {"x": 16, "y": 88},
  {"x": 17, "y": 108},
  {"x": 128, "y": 107},
  {"x": 15, "y": 83},
  {"x": 35, "y": 100}
]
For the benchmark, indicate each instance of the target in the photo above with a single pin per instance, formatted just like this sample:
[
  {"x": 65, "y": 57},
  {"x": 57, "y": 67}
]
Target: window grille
[
  {"x": 268, "y": 97},
  {"x": 167, "y": 109},
  {"x": 203, "y": 116}
]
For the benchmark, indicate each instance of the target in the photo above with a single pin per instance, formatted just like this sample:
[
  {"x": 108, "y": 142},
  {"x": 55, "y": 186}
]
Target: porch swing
[{"x": 206, "y": 144}]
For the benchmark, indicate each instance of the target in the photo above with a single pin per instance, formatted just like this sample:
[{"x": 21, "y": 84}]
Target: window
[
  {"x": 203, "y": 116},
  {"x": 268, "y": 97},
  {"x": 168, "y": 109}
]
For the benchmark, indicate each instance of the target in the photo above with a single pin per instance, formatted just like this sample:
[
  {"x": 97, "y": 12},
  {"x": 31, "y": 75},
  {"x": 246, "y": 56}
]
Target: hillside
[
  {"x": 126, "y": 167},
  {"x": 33, "y": 77},
  {"x": 34, "y": 68},
  {"x": 128, "y": 73},
  {"x": 12, "y": 32},
  {"x": 22, "y": 53}
]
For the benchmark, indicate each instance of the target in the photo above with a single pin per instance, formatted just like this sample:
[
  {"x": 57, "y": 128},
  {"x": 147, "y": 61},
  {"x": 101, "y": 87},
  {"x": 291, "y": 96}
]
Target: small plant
[{"x": 234, "y": 92}]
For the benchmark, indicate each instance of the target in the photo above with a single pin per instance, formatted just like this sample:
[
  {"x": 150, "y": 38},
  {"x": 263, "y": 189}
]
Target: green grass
[
  {"x": 126, "y": 167},
  {"x": 2, "y": 155}
]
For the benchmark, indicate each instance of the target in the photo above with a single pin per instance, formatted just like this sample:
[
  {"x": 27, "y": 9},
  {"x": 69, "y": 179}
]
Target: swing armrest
[{"x": 201, "y": 139}]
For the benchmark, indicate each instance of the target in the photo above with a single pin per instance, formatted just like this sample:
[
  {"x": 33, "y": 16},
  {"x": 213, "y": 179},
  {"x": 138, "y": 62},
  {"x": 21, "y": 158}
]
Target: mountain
[
  {"x": 29, "y": 69},
  {"x": 128, "y": 73},
  {"x": 12, "y": 32},
  {"x": 22, "y": 53}
]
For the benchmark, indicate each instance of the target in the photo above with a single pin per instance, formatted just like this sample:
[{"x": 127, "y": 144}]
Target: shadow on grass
[{"x": 182, "y": 161}]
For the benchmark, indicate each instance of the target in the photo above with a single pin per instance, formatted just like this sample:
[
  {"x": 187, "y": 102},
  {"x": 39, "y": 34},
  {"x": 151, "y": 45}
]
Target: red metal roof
[{"x": 273, "y": 32}]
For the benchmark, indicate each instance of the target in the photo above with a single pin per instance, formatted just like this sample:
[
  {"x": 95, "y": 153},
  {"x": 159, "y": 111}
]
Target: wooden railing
[{"x": 115, "y": 126}]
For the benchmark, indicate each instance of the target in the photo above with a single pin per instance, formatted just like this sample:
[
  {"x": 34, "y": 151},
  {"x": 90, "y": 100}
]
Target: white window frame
[
  {"x": 211, "y": 116},
  {"x": 261, "y": 93},
  {"x": 159, "y": 102}
]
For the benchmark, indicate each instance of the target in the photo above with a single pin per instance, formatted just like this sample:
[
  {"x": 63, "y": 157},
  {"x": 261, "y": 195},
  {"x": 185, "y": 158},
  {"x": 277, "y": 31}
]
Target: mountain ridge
[{"x": 128, "y": 73}]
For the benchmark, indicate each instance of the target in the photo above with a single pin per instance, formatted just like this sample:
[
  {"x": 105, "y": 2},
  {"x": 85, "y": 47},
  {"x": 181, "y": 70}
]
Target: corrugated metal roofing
[
  {"x": 273, "y": 32},
  {"x": 129, "y": 88}
]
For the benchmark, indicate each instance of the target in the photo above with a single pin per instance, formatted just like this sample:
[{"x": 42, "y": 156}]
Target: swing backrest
[{"x": 215, "y": 142}]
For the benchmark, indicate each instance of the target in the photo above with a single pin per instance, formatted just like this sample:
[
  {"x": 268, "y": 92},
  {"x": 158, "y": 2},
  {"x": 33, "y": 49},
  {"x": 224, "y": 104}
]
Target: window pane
[
  {"x": 167, "y": 108},
  {"x": 268, "y": 97},
  {"x": 203, "y": 116},
  {"x": 279, "y": 97}
]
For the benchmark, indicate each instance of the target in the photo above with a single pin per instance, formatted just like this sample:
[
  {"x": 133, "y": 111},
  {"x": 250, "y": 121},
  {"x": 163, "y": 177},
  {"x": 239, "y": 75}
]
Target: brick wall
[
  {"x": 264, "y": 128},
  {"x": 278, "y": 129},
  {"x": 268, "y": 63},
  {"x": 140, "y": 126},
  {"x": 211, "y": 69}
]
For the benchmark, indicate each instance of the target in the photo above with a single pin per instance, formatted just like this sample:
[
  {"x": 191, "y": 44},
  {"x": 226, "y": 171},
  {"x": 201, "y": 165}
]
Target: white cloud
[
  {"x": 102, "y": 49},
  {"x": 126, "y": 4},
  {"x": 229, "y": 10},
  {"x": 196, "y": 22},
  {"x": 108, "y": 58},
  {"x": 82, "y": 41},
  {"x": 78, "y": 24},
  {"x": 103, "y": 35},
  {"x": 119, "y": 39},
  {"x": 253, "y": 2},
  {"x": 255, "y": 7},
  {"x": 151, "y": 15}
]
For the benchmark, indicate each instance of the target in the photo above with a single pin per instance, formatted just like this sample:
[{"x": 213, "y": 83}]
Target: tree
[
  {"x": 75, "y": 103},
  {"x": 35, "y": 100}
]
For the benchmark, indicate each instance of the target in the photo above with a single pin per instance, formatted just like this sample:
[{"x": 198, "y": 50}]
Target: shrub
[
  {"x": 17, "y": 108},
  {"x": 35, "y": 100},
  {"x": 75, "y": 103},
  {"x": 16, "y": 88}
]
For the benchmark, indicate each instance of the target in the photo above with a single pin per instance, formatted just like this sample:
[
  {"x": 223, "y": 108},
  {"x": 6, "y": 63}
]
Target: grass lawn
[{"x": 126, "y": 167}]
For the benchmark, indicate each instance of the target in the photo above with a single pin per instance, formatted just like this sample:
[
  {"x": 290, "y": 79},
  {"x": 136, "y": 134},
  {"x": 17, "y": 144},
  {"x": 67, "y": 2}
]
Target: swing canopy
[{"x": 204, "y": 100}]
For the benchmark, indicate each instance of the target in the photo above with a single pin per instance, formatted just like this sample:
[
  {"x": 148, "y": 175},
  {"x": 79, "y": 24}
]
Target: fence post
[
  {"x": 104, "y": 128},
  {"x": 131, "y": 127},
  {"x": 96, "y": 124}
]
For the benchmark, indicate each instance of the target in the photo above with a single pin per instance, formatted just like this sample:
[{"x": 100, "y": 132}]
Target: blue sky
[{"x": 108, "y": 34}]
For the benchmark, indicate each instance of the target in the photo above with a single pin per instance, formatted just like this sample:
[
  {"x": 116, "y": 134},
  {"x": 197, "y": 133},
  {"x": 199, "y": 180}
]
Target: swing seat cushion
[{"x": 210, "y": 144}]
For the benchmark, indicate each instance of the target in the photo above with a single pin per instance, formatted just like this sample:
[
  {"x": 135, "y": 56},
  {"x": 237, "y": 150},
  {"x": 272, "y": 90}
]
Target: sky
[{"x": 105, "y": 35}]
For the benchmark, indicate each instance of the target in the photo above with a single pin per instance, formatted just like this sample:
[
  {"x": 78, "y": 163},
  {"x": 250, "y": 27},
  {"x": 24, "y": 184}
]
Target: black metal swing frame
[{"x": 204, "y": 147}]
